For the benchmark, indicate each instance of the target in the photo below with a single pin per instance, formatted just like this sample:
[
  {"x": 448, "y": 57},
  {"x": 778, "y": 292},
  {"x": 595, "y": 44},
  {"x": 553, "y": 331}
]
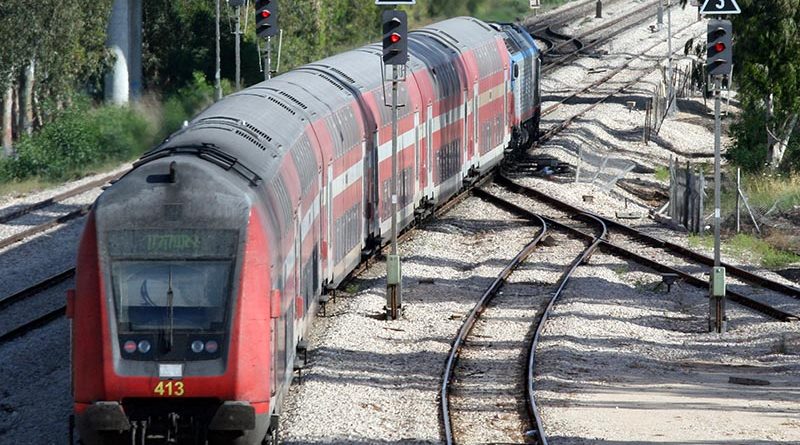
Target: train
[{"x": 200, "y": 270}]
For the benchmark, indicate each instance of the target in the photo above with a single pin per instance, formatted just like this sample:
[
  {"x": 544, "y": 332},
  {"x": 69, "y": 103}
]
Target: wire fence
[
  {"x": 691, "y": 203},
  {"x": 601, "y": 169}
]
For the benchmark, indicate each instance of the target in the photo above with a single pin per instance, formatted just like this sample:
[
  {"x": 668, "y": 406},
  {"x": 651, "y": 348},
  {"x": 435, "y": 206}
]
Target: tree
[
  {"x": 767, "y": 56},
  {"x": 63, "y": 41}
]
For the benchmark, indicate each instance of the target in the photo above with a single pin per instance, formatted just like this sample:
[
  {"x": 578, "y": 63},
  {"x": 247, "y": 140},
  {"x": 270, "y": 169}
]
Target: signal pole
[
  {"x": 217, "y": 75},
  {"x": 719, "y": 63},
  {"x": 238, "y": 47},
  {"x": 395, "y": 53},
  {"x": 670, "y": 87}
]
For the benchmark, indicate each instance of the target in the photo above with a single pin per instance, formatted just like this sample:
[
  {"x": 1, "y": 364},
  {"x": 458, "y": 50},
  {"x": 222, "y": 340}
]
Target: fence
[
  {"x": 686, "y": 197},
  {"x": 600, "y": 169}
]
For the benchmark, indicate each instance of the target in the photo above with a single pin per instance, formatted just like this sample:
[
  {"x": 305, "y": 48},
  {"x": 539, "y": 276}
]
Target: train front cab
[{"x": 171, "y": 328}]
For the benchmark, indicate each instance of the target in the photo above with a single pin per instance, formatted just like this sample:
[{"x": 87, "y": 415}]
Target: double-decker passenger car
[{"x": 200, "y": 270}]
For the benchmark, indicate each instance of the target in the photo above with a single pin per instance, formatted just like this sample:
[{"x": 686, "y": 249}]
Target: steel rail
[
  {"x": 12, "y": 215},
  {"x": 41, "y": 286},
  {"x": 469, "y": 323},
  {"x": 37, "y": 322},
  {"x": 593, "y": 243},
  {"x": 610, "y": 75},
  {"x": 17, "y": 237},
  {"x": 689, "y": 254},
  {"x": 625, "y": 253},
  {"x": 584, "y": 46}
]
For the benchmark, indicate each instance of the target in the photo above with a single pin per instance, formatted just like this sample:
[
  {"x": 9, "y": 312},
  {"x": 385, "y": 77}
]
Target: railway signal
[
  {"x": 719, "y": 55},
  {"x": 719, "y": 62},
  {"x": 395, "y": 37},
  {"x": 266, "y": 18}
]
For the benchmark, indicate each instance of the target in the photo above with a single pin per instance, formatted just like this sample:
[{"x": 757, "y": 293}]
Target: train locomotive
[{"x": 200, "y": 270}]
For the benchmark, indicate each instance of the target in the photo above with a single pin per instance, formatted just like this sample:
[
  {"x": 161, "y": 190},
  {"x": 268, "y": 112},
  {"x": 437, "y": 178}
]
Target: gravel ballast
[{"x": 620, "y": 361}]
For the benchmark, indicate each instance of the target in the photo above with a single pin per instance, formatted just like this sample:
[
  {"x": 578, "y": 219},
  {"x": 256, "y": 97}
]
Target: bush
[
  {"x": 187, "y": 102},
  {"x": 78, "y": 139}
]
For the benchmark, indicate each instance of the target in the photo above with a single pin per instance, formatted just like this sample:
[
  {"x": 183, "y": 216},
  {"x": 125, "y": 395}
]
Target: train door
[
  {"x": 505, "y": 106},
  {"x": 302, "y": 285},
  {"x": 363, "y": 229},
  {"x": 429, "y": 158},
  {"x": 475, "y": 120},
  {"x": 416, "y": 156},
  {"x": 372, "y": 177},
  {"x": 331, "y": 260},
  {"x": 466, "y": 149}
]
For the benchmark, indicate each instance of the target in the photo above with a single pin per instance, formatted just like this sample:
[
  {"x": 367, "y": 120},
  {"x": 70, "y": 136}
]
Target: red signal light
[
  {"x": 395, "y": 37},
  {"x": 719, "y": 47},
  {"x": 265, "y": 14}
]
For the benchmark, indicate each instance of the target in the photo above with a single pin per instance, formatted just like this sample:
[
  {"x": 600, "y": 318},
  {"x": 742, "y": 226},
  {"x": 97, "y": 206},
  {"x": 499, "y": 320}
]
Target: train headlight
[
  {"x": 144, "y": 346},
  {"x": 212, "y": 346},
  {"x": 197, "y": 346},
  {"x": 129, "y": 346}
]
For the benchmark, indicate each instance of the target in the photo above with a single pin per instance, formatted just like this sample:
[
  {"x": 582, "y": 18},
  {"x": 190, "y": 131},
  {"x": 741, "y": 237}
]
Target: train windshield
[{"x": 179, "y": 295}]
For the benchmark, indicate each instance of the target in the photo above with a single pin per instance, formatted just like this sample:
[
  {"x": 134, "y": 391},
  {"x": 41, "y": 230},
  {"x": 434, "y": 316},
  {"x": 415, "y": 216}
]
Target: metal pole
[
  {"x": 598, "y": 9},
  {"x": 717, "y": 297},
  {"x": 670, "y": 88},
  {"x": 217, "y": 76},
  {"x": 394, "y": 159},
  {"x": 717, "y": 173},
  {"x": 238, "y": 48},
  {"x": 738, "y": 198},
  {"x": 394, "y": 289},
  {"x": 268, "y": 60}
]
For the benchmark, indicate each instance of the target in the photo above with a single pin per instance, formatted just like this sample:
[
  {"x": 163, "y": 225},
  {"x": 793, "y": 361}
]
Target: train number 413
[{"x": 169, "y": 389}]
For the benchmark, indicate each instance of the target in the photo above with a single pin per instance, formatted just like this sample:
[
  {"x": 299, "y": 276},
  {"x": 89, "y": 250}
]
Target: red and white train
[{"x": 200, "y": 270}]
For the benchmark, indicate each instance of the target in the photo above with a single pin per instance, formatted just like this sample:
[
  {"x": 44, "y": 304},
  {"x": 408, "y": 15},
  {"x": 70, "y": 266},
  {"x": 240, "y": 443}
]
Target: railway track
[
  {"x": 631, "y": 244},
  {"x": 555, "y": 57},
  {"x": 10, "y": 216},
  {"x": 455, "y": 380},
  {"x": 27, "y": 324}
]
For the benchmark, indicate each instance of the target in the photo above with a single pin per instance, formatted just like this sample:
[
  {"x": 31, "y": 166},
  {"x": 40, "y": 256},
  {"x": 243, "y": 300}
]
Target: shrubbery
[
  {"x": 80, "y": 138},
  {"x": 86, "y": 136}
]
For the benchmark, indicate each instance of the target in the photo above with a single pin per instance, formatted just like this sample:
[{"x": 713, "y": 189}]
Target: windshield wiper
[{"x": 170, "y": 304}]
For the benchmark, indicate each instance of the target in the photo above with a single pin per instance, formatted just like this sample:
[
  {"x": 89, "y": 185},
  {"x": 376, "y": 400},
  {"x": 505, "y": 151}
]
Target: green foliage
[
  {"x": 66, "y": 39},
  {"x": 187, "y": 102},
  {"x": 79, "y": 139},
  {"x": 749, "y": 148},
  {"x": 662, "y": 173},
  {"x": 748, "y": 246},
  {"x": 767, "y": 52},
  {"x": 770, "y": 257}
]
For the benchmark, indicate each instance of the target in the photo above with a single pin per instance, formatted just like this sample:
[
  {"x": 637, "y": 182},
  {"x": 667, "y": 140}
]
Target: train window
[
  {"x": 184, "y": 295},
  {"x": 516, "y": 71}
]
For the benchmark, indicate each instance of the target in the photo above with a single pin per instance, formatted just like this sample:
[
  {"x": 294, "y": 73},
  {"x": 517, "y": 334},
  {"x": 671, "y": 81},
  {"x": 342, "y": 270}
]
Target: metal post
[
  {"x": 738, "y": 198},
  {"x": 217, "y": 75},
  {"x": 660, "y": 15},
  {"x": 670, "y": 87},
  {"x": 268, "y": 60},
  {"x": 717, "y": 173},
  {"x": 717, "y": 297},
  {"x": 393, "y": 285},
  {"x": 598, "y": 9},
  {"x": 238, "y": 48}
]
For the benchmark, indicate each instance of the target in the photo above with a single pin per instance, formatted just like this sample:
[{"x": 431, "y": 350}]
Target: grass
[
  {"x": 770, "y": 256},
  {"x": 23, "y": 187},
  {"x": 748, "y": 246},
  {"x": 662, "y": 173},
  {"x": 766, "y": 190}
]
